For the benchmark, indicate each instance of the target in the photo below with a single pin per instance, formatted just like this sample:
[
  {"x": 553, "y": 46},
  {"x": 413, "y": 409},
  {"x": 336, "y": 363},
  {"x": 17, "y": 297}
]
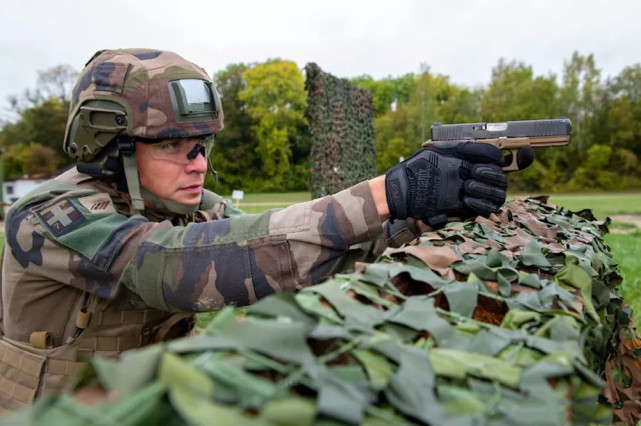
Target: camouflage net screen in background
[
  {"x": 515, "y": 319},
  {"x": 341, "y": 117}
]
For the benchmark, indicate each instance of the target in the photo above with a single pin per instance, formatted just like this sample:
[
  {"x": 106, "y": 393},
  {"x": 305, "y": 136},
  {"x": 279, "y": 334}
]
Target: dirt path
[
  {"x": 630, "y": 218},
  {"x": 634, "y": 219}
]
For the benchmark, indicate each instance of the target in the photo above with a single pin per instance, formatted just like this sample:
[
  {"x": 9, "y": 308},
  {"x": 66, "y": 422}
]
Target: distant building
[{"x": 14, "y": 188}]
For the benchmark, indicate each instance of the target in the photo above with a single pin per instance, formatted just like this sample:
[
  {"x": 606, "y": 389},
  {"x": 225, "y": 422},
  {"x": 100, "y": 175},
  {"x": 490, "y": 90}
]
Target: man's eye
[{"x": 169, "y": 146}]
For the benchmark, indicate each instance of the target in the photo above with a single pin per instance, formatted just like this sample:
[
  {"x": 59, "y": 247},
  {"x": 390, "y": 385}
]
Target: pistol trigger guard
[{"x": 513, "y": 166}]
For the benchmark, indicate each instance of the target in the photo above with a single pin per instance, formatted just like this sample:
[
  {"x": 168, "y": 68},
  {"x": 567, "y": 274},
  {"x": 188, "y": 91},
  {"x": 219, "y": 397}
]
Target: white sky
[{"x": 460, "y": 38}]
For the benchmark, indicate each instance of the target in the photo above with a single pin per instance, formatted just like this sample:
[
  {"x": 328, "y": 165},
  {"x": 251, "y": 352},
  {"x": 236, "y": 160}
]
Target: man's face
[{"x": 165, "y": 169}]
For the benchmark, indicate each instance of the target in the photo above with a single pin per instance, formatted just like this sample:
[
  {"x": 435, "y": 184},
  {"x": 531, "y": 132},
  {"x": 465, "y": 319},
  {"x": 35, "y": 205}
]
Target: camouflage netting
[
  {"x": 501, "y": 321},
  {"x": 341, "y": 117}
]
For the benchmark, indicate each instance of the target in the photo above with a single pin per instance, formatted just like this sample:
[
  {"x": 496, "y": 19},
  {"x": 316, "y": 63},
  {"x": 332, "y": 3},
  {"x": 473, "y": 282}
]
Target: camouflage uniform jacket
[{"x": 82, "y": 274}]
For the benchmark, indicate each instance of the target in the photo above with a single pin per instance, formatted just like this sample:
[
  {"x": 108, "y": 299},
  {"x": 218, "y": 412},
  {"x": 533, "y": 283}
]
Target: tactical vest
[
  {"x": 32, "y": 370},
  {"x": 96, "y": 326}
]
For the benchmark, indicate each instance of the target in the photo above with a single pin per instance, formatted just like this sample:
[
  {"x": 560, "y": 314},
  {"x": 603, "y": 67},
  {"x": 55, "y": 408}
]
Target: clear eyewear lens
[{"x": 178, "y": 151}]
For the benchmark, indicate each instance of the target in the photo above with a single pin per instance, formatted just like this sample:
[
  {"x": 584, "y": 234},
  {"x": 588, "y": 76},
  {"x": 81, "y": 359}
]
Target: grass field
[
  {"x": 601, "y": 204},
  {"x": 626, "y": 249}
]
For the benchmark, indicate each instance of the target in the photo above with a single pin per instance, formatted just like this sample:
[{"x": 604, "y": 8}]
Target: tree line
[{"x": 265, "y": 145}]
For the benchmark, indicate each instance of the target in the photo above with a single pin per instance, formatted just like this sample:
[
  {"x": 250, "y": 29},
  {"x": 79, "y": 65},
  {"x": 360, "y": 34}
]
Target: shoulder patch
[
  {"x": 60, "y": 217},
  {"x": 98, "y": 203}
]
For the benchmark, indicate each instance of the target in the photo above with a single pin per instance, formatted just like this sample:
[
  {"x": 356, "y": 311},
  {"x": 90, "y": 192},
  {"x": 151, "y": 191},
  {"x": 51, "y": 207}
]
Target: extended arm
[{"x": 198, "y": 267}]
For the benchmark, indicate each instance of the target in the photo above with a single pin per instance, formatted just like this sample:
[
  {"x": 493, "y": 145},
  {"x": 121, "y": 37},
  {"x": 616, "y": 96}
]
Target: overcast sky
[{"x": 461, "y": 38}]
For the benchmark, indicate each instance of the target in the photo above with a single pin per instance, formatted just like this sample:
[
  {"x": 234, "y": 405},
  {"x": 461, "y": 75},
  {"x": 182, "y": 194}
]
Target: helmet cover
[{"x": 142, "y": 93}]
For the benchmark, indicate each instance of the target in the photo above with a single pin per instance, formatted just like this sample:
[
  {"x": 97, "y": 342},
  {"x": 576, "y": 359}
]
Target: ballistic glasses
[{"x": 180, "y": 151}]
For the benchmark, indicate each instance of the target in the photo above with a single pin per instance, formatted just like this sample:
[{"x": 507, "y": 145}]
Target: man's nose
[{"x": 198, "y": 162}]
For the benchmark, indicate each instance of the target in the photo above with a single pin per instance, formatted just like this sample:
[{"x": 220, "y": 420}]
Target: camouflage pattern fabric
[
  {"x": 69, "y": 235},
  {"x": 515, "y": 319},
  {"x": 341, "y": 117}
]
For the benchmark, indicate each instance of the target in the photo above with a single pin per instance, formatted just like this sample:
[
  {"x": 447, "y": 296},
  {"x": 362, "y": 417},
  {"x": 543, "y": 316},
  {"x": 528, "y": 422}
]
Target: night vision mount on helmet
[{"x": 138, "y": 94}]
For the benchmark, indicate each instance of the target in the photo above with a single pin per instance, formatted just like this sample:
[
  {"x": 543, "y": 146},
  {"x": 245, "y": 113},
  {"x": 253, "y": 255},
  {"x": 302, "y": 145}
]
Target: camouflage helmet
[{"x": 140, "y": 93}]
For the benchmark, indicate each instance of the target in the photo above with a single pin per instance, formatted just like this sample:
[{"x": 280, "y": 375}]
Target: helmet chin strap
[{"x": 127, "y": 148}]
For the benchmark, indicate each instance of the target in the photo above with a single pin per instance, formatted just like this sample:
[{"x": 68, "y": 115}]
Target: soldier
[{"x": 121, "y": 250}]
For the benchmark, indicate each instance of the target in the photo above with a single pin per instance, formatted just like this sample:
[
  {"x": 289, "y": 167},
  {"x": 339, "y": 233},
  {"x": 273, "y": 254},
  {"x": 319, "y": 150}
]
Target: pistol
[{"x": 509, "y": 136}]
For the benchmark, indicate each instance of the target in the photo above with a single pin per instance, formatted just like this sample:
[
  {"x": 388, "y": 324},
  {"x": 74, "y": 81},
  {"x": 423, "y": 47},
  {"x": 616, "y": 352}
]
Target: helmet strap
[
  {"x": 213, "y": 171},
  {"x": 127, "y": 148}
]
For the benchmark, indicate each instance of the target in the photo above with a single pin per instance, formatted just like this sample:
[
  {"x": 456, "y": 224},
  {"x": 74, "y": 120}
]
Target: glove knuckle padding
[
  {"x": 480, "y": 206},
  {"x": 525, "y": 157},
  {"x": 480, "y": 153},
  {"x": 490, "y": 174},
  {"x": 481, "y": 190},
  {"x": 449, "y": 148}
]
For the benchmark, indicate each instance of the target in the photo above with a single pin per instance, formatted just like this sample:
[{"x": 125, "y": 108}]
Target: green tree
[
  {"x": 388, "y": 91},
  {"x": 275, "y": 98},
  {"x": 392, "y": 138},
  {"x": 31, "y": 159},
  {"x": 15, "y": 159},
  {"x": 462, "y": 106},
  {"x": 595, "y": 172},
  {"x": 40, "y": 126},
  {"x": 580, "y": 98},
  {"x": 624, "y": 114},
  {"x": 42, "y": 160},
  {"x": 426, "y": 102},
  {"x": 400, "y": 131},
  {"x": 43, "y": 124},
  {"x": 514, "y": 93},
  {"x": 234, "y": 155},
  {"x": 390, "y": 97}
]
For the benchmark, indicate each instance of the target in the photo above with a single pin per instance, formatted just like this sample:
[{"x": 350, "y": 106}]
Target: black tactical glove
[{"x": 455, "y": 179}]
